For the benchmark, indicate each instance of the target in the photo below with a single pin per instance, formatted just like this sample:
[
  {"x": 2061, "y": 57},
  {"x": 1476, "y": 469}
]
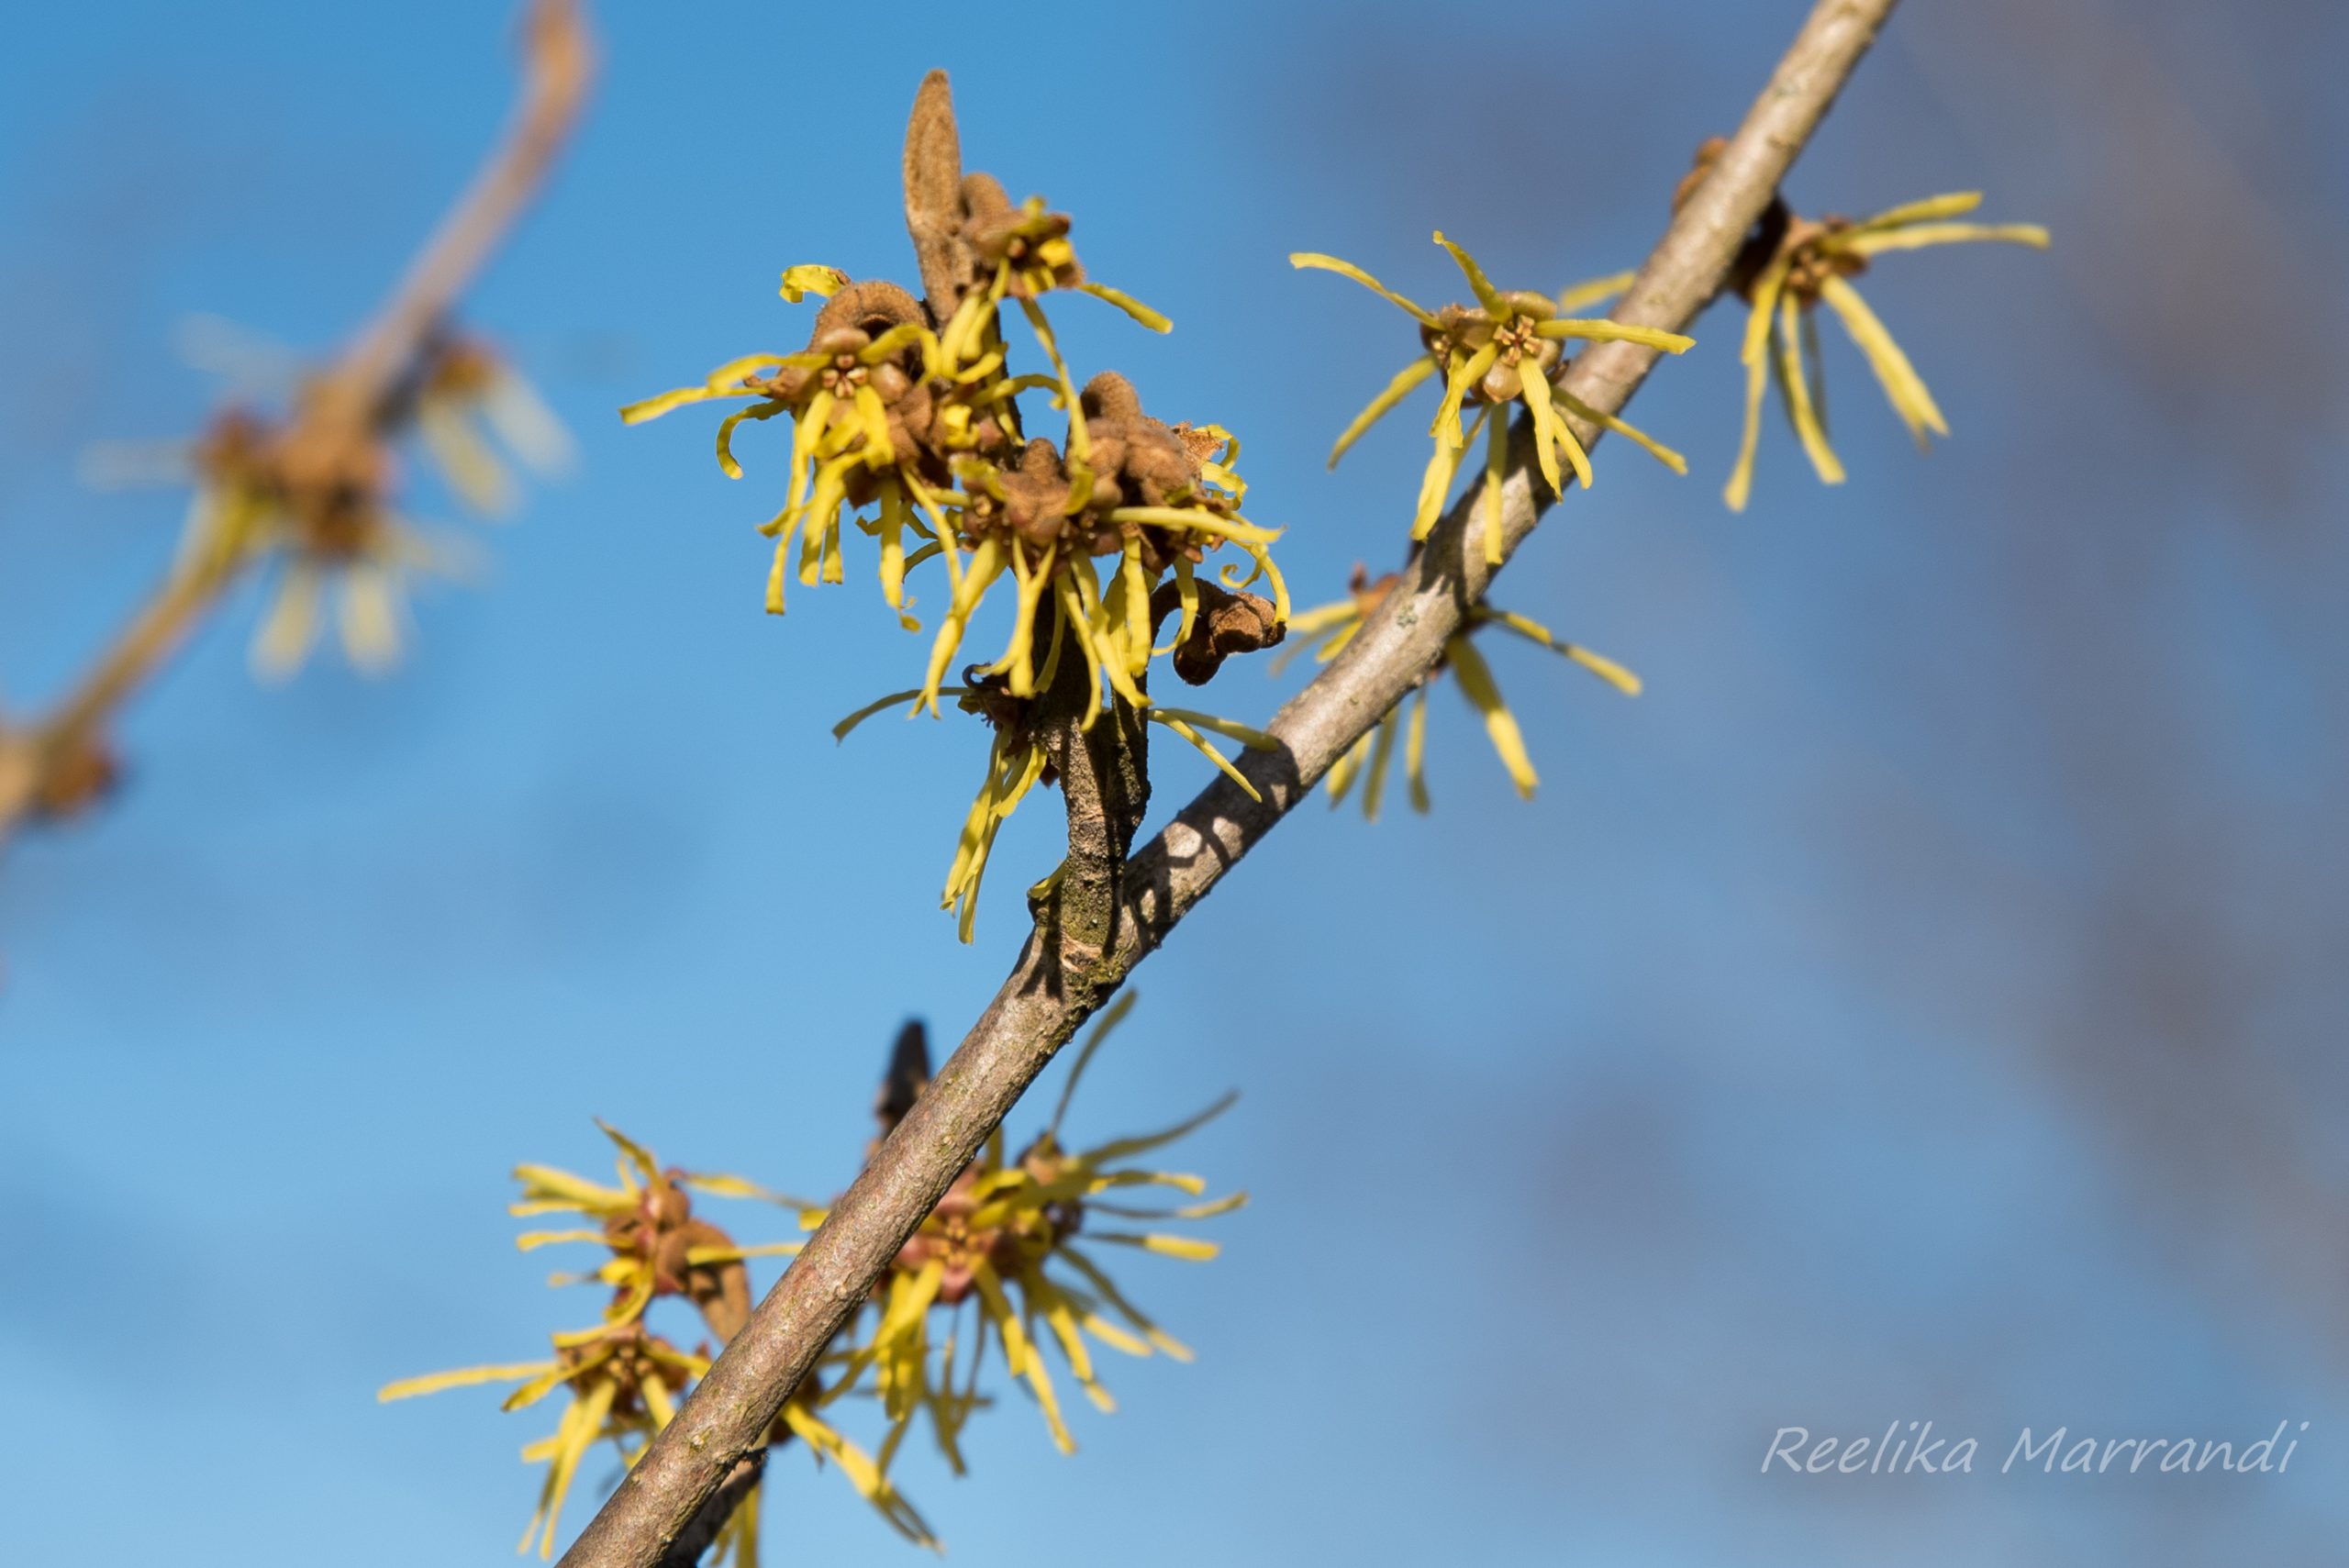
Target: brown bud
[
  {"x": 1227, "y": 623},
  {"x": 1709, "y": 152}
]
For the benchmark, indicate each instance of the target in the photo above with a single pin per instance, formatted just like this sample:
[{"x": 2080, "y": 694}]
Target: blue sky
[{"x": 1921, "y": 1002}]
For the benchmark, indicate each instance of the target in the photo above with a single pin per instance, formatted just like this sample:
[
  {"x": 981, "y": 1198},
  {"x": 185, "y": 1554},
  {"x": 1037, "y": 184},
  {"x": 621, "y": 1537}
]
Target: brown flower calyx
[
  {"x": 1032, "y": 242},
  {"x": 1229, "y": 622},
  {"x": 1134, "y": 460},
  {"x": 1462, "y": 330},
  {"x": 989, "y": 698},
  {"x": 663, "y": 1231},
  {"x": 1809, "y": 264},
  {"x": 954, "y": 1241},
  {"x": 629, "y": 1357},
  {"x": 1142, "y": 460},
  {"x": 324, "y": 479}
]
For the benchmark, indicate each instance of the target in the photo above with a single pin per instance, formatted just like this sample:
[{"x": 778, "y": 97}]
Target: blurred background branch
[{"x": 327, "y": 455}]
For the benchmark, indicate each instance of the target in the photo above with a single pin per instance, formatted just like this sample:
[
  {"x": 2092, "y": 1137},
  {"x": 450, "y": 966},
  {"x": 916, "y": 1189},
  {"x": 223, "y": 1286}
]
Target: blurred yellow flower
[
  {"x": 1369, "y": 758},
  {"x": 1814, "y": 262}
]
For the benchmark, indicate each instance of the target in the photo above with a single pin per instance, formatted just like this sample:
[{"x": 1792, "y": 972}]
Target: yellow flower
[
  {"x": 864, "y": 397},
  {"x": 315, "y": 489},
  {"x": 317, "y": 496},
  {"x": 624, "y": 1380},
  {"x": 623, "y": 1385},
  {"x": 1813, "y": 263},
  {"x": 657, "y": 1246},
  {"x": 1019, "y": 253},
  {"x": 1503, "y": 348},
  {"x": 1011, "y": 1247},
  {"x": 1370, "y": 757}
]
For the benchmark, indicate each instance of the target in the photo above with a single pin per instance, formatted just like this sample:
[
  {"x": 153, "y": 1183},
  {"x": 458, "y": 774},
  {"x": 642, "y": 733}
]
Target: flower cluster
[
  {"x": 1002, "y": 1262},
  {"x": 1370, "y": 758},
  {"x": 907, "y": 423},
  {"x": 315, "y": 490},
  {"x": 1801, "y": 264},
  {"x": 624, "y": 1380},
  {"x": 1504, "y": 349}
]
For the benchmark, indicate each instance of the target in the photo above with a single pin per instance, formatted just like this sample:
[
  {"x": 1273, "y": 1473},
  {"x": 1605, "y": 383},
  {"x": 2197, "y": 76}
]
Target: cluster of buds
[
  {"x": 1370, "y": 758},
  {"x": 1794, "y": 264},
  {"x": 1505, "y": 349},
  {"x": 907, "y": 422},
  {"x": 1002, "y": 1262},
  {"x": 316, "y": 490}
]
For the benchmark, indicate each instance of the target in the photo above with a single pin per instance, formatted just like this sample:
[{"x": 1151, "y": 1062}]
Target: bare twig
[
  {"x": 558, "y": 64},
  {"x": 355, "y": 396},
  {"x": 1044, "y": 1000}
]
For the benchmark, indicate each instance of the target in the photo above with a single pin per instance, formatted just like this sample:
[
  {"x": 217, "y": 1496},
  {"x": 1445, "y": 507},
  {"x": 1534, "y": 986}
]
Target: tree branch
[{"x": 1033, "y": 1014}]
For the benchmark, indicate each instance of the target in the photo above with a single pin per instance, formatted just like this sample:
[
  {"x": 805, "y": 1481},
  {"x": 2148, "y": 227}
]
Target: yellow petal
[
  {"x": 1655, "y": 449},
  {"x": 1207, "y": 748},
  {"x": 1926, "y": 233},
  {"x": 1477, "y": 684},
  {"x": 292, "y": 626},
  {"x": 1575, "y": 296},
  {"x": 1487, "y": 295},
  {"x": 1599, "y": 665},
  {"x": 1758, "y": 321},
  {"x": 810, "y": 278},
  {"x": 1314, "y": 258},
  {"x": 531, "y": 1241},
  {"x": 1435, "y": 484},
  {"x": 1128, "y": 303},
  {"x": 1126, "y": 1148},
  {"x": 1190, "y": 1248},
  {"x": 1902, "y": 386},
  {"x": 1108, "y": 1290},
  {"x": 1599, "y": 332},
  {"x": 653, "y": 408},
  {"x": 1953, "y": 205},
  {"x": 1415, "y": 747},
  {"x": 1445, "y": 426},
  {"x": 464, "y": 1377},
  {"x": 1254, "y": 739},
  {"x": 1400, "y": 387},
  {"x": 726, "y": 462},
  {"x": 1374, "y": 791},
  {"x": 1793, "y": 381},
  {"x": 371, "y": 618}
]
